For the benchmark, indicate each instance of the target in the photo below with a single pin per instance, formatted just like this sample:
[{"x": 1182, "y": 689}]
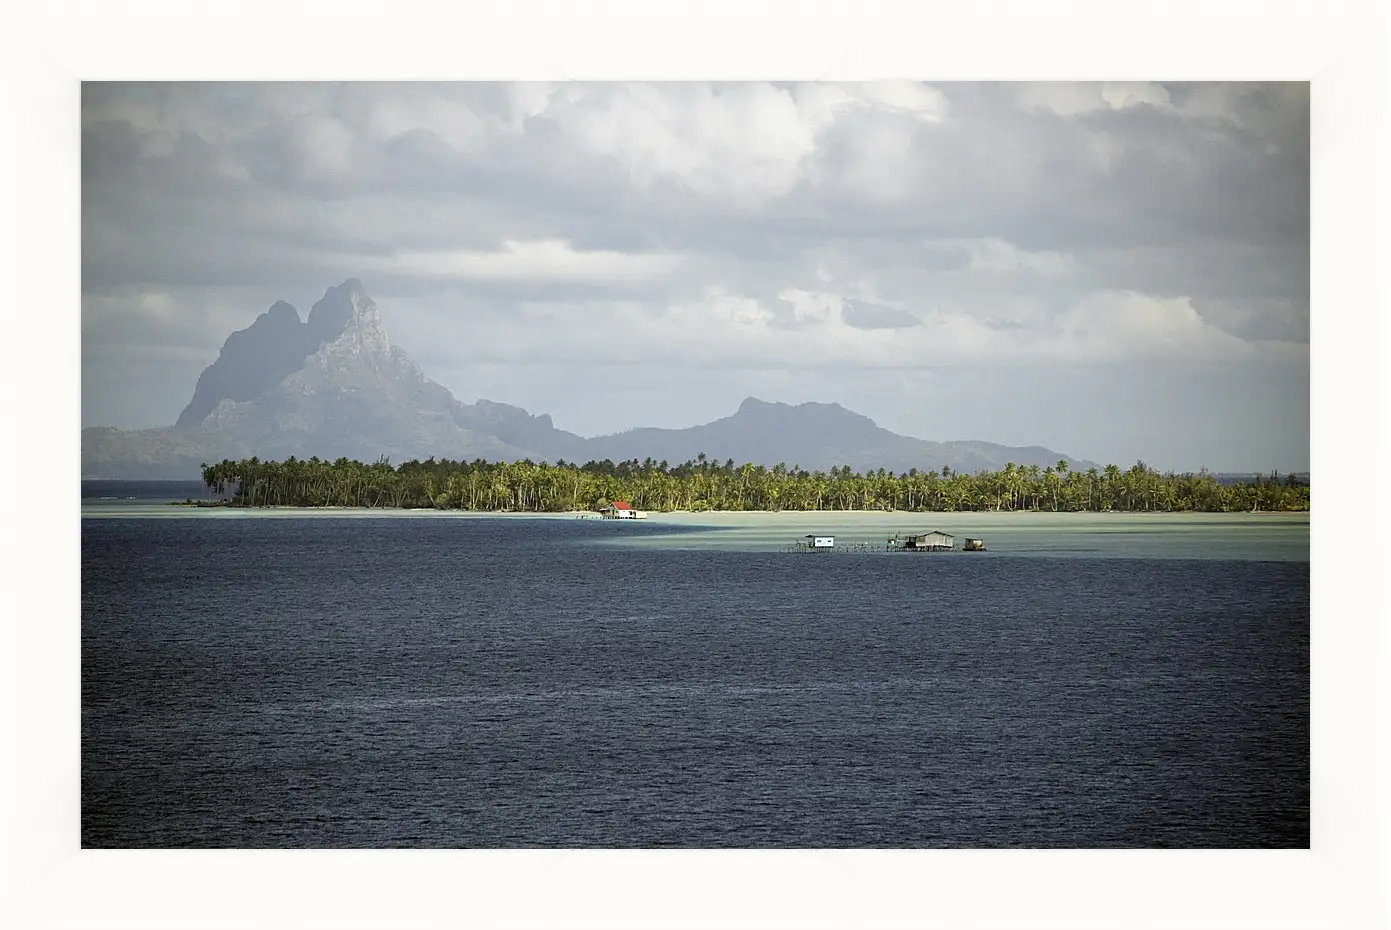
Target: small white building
[
  {"x": 622, "y": 510},
  {"x": 822, "y": 542}
]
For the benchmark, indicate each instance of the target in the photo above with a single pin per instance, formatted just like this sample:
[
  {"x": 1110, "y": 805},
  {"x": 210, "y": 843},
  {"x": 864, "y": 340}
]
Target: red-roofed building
[{"x": 622, "y": 510}]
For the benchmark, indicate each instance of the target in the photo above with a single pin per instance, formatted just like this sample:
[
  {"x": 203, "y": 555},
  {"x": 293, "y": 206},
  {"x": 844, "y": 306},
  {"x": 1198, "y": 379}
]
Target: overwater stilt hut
[{"x": 934, "y": 541}]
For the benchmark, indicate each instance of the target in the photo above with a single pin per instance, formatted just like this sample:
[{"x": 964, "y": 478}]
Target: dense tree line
[{"x": 705, "y": 485}]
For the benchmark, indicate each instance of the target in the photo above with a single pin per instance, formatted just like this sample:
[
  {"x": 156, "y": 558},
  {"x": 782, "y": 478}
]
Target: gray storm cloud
[{"x": 1120, "y": 270}]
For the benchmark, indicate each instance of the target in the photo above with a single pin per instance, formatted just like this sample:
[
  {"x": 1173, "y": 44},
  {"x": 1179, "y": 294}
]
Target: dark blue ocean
[{"x": 385, "y": 682}]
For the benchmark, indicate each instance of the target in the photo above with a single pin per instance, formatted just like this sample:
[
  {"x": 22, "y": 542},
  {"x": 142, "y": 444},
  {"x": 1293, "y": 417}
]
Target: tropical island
[{"x": 704, "y": 485}]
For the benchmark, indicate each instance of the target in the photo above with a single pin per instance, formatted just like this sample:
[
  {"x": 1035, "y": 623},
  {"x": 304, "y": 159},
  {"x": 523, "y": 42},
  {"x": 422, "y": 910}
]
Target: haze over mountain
[{"x": 333, "y": 385}]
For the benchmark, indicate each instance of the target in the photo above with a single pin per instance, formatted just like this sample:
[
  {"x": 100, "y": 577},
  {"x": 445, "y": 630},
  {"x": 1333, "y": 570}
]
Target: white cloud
[
  {"x": 1074, "y": 99},
  {"x": 740, "y": 143},
  {"x": 324, "y": 146},
  {"x": 1211, "y": 101},
  {"x": 812, "y": 307},
  {"x": 528, "y": 99},
  {"x": 997, "y": 255},
  {"x": 716, "y": 311},
  {"x": 722, "y": 328},
  {"x": 743, "y": 142},
  {"x": 463, "y": 125},
  {"x": 547, "y": 260},
  {"x": 924, "y": 102},
  {"x": 1126, "y": 325}
]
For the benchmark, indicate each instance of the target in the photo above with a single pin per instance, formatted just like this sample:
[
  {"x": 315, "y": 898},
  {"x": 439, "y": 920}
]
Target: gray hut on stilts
[{"x": 935, "y": 541}]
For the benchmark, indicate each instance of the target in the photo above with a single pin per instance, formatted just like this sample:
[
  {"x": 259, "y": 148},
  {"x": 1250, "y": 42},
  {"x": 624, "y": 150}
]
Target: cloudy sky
[{"x": 1117, "y": 272}]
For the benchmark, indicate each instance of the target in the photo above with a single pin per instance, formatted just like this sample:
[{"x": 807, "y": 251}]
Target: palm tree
[
  {"x": 1110, "y": 487},
  {"x": 527, "y": 486}
]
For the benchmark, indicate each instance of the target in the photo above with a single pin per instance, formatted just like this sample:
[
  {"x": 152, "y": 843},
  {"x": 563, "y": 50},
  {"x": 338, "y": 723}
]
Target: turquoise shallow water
[
  {"x": 1255, "y": 537},
  {"x": 1246, "y": 537}
]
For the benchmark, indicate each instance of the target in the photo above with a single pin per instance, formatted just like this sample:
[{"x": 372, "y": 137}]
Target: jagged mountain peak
[
  {"x": 753, "y": 407},
  {"x": 251, "y": 361},
  {"x": 498, "y": 412},
  {"x": 753, "y": 404},
  {"x": 342, "y": 307},
  {"x": 281, "y": 312},
  {"x": 343, "y": 327}
]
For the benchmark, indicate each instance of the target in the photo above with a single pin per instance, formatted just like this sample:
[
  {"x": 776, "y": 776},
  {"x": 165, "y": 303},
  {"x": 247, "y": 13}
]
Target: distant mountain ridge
[
  {"x": 334, "y": 386},
  {"x": 817, "y": 437}
]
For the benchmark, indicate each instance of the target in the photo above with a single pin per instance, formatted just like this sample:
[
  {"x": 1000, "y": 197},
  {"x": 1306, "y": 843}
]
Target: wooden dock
[{"x": 843, "y": 547}]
